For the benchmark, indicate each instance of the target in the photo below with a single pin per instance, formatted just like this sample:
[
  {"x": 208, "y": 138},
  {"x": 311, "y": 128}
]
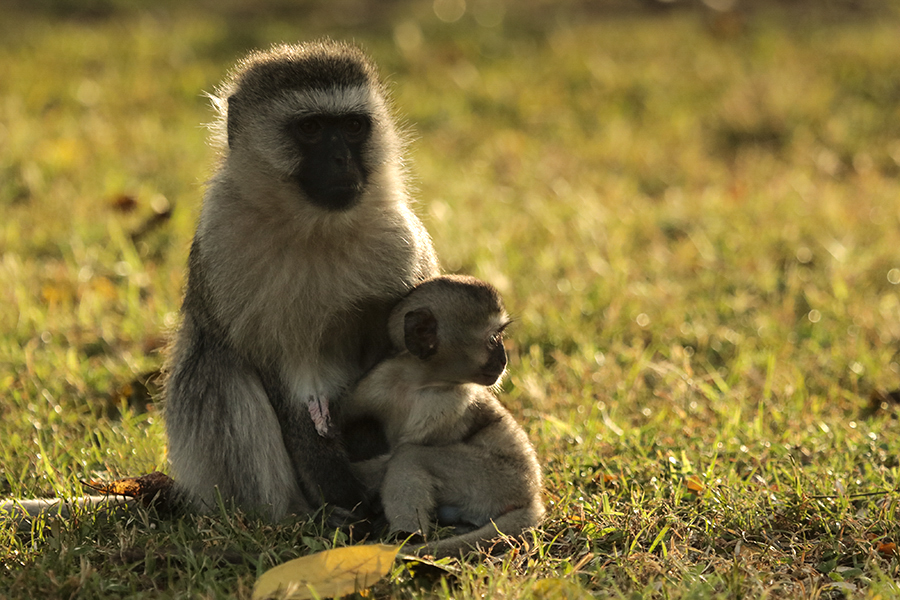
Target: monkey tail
[
  {"x": 115, "y": 497},
  {"x": 23, "y": 513},
  {"x": 513, "y": 523}
]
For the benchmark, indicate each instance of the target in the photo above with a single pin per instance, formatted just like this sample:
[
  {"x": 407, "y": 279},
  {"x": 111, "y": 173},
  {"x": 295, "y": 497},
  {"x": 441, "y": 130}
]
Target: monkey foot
[{"x": 318, "y": 410}]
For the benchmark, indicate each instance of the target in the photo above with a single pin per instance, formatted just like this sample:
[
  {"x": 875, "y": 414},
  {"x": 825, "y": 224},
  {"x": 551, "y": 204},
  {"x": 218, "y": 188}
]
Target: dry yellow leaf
[
  {"x": 104, "y": 288},
  {"x": 558, "y": 589},
  {"x": 328, "y": 574},
  {"x": 694, "y": 484}
]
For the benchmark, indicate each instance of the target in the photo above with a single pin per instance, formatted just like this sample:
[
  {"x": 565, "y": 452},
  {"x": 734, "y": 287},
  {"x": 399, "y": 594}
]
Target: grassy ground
[{"x": 695, "y": 220}]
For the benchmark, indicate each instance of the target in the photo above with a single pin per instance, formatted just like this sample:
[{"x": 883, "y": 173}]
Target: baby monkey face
[
  {"x": 494, "y": 363},
  {"x": 454, "y": 325},
  {"x": 472, "y": 351}
]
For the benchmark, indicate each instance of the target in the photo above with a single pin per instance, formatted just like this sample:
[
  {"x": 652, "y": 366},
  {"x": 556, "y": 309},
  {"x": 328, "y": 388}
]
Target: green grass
[{"x": 696, "y": 226}]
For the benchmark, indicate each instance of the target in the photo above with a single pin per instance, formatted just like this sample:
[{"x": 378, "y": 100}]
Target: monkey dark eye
[
  {"x": 309, "y": 128},
  {"x": 497, "y": 338},
  {"x": 355, "y": 127}
]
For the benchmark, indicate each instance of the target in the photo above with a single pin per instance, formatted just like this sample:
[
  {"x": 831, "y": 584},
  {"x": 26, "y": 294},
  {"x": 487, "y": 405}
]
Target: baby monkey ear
[{"x": 420, "y": 331}]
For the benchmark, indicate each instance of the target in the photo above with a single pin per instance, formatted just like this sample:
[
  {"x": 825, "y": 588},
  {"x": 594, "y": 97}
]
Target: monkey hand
[{"x": 318, "y": 410}]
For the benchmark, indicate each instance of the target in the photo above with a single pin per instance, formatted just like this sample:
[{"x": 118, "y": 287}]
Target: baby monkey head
[{"x": 454, "y": 326}]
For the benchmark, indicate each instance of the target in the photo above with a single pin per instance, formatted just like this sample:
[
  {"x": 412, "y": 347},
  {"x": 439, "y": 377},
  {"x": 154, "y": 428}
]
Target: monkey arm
[{"x": 383, "y": 395}]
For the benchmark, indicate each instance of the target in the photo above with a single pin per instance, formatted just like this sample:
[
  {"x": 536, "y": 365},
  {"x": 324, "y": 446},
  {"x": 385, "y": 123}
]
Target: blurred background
[
  {"x": 691, "y": 207},
  {"x": 665, "y": 191}
]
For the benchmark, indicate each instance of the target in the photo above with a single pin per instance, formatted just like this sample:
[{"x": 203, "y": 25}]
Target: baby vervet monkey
[{"x": 456, "y": 453}]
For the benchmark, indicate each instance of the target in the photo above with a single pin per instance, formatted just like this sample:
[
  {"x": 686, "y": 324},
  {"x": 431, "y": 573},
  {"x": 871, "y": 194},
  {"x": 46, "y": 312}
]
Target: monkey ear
[
  {"x": 232, "y": 117},
  {"x": 420, "y": 333}
]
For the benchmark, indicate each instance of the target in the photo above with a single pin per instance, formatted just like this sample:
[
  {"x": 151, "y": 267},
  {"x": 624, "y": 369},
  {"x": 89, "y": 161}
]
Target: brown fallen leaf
[
  {"x": 328, "y": 574},
  {"x": 152, "y": 488},
  {"x": 605, "y": 478},
  {"x": 123, "y": 203},
  {"x": 888, "y": 549},
  {"x": 693, "y": 483}
]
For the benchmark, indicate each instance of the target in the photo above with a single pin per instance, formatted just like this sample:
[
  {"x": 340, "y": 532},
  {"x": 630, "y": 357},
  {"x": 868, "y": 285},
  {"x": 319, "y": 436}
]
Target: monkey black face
[{"x": 332, "y": 171}]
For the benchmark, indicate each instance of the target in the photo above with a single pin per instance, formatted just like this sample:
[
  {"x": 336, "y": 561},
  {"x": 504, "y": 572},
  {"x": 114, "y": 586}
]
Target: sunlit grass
[{"x": 697, "y": 230}]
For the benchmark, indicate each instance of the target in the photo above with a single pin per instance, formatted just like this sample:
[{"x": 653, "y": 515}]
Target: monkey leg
[
  {"x": 408, "y": 492},
  {"x": 224, "y": 435},
  {"x": 479, "y": 485},
  {"x": 495, "y": 492}
]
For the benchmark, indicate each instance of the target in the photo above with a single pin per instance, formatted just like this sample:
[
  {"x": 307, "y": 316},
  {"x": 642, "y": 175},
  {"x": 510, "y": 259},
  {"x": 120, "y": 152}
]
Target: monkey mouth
[
  {"x": 487, "y": 378},
  {"x": 343, "y": 196},
  {"x": 337, "y": 197}
]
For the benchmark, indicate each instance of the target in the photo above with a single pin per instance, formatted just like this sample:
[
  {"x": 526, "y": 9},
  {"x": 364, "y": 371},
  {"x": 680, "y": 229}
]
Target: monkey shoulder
[
  {"x": 487, "y": 417},
  {"x": 386, "y": 386},
  {"x": 492, "y": 426}
]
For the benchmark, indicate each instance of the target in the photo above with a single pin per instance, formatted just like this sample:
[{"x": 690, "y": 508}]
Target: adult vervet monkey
[
  {"x": 305, "y": 241},
  {"x": 457, "y": 455}
]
